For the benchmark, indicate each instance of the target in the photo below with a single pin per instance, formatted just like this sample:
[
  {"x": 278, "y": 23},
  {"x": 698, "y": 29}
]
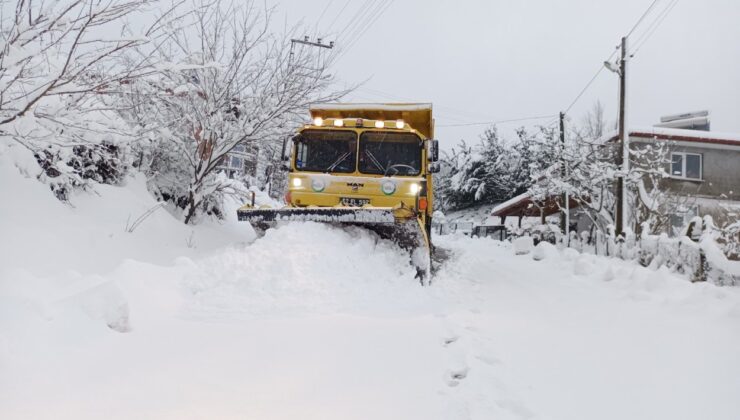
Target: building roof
[
  {"x": 524, "y": 205},
  {"x": 678, "y": 134}
]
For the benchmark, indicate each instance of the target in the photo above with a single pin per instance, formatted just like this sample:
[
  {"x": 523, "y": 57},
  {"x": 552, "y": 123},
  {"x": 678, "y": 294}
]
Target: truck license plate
[{"x": 354, "y": 202}]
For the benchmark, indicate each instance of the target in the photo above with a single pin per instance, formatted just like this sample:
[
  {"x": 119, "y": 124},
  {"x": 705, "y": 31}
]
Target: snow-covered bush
[
  {"x": 65, "y": 169},
  {"x": 523, "y": 245},
  {"x": 729, "y": 240}
]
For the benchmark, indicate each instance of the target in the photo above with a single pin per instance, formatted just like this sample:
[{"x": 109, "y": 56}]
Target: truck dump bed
[{"x": 418, "y": 116}]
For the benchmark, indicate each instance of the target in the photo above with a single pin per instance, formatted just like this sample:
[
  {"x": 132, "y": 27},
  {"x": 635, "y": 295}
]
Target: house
[
  {"x": 702, "y": 167},
  {"x": 701, "y": 177},
  {"x": 240, "y": 161}
]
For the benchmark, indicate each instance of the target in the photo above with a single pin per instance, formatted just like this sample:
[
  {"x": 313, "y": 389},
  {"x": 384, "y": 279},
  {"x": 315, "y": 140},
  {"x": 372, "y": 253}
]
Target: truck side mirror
[
  {"x": 433, "y": 150},
  {"x": 433, "y": 168},
  {"x": 285, "y": 152}
]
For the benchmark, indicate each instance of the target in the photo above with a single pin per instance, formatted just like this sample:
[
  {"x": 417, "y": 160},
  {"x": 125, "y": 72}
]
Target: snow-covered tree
[
  {"x": 591, "y": 171},
  {"x": 493, "y": 170},
  {"x": 224, "y": 80},
  {"x": 58, "y": 59}
]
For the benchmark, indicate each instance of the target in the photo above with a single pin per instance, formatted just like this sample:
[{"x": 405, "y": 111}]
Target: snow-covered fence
[{"x": 696, "y": 254}]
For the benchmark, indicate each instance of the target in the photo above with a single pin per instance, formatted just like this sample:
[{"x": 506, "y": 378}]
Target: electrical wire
[
  {"x": 331, "y": 25},
  {"x": 451, "y": 113},
  {"x": 642, "y": 17},
  {"x": 590, "y": 82},
  {"x": 374, "y": 16},
  {"x": 601, "y": 67},
  {"x": 653, "y": 27},
  {"x": 323, "y": 12},
  {"x": 539, "y": 117},
  {"x": 354, "y": 16}
]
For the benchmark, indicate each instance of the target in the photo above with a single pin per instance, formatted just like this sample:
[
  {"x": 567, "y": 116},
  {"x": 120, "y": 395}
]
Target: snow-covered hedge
[{"x": 700, "y": 253}]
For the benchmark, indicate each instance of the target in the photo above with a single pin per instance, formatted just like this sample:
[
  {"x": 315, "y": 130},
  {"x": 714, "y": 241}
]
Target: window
[
  {"x": 326, "y": 151},
  {"x": 686, "y": 165},
  {"x": 237, "y": 163},
  {"x": 388, "y": 153}
]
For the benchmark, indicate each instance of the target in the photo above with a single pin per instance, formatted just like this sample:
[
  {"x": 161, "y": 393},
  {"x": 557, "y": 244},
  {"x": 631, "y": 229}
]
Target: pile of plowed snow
[{"x": 307, "y": 268}]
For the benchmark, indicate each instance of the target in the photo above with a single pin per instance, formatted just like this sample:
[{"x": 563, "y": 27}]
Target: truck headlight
[
  {"x": 297, "y": 182},
  {"x": 388, "y": 187},
  {"x": 318, "y": 185},
  {"x": 414, "y": 188}
]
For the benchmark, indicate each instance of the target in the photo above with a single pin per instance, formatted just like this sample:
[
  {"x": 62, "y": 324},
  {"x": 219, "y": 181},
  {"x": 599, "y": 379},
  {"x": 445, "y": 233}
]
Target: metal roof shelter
[{"x": 524, "y": 205}]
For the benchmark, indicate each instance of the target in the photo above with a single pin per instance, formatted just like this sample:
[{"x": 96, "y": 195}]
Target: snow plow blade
[
  {"x": 398, "y": 224},
  {"x": 330, "y": 215}
]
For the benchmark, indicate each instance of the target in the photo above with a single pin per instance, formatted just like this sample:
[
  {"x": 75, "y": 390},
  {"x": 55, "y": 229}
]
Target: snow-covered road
[{"x": 316, "y": 322}]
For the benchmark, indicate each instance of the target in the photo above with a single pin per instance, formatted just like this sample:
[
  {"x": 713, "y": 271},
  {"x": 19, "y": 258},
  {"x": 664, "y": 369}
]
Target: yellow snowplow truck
[{"x": 367, "y": 165}]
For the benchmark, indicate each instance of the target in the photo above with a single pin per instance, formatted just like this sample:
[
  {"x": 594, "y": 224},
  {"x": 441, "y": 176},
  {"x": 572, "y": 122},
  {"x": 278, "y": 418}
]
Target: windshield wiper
[
  {"x": 374, "y": 160},
  {"x": 338, "y": 161}
]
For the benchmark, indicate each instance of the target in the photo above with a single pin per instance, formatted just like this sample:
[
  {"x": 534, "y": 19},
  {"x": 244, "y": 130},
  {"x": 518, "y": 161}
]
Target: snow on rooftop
[
  {"x": 373, "y": 107},
  {"x": 680, "y": 132},
  {"x": 509, "y": 203},
  {"x": 684, "y": 134}
]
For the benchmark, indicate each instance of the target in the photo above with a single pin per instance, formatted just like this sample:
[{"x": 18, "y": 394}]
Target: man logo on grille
[{"x": 355, "y": 186}]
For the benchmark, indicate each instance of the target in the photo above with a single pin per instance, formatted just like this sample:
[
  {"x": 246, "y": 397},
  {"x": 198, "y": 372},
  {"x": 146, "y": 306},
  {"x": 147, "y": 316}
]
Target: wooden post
[{"x": 623, "y": 157}]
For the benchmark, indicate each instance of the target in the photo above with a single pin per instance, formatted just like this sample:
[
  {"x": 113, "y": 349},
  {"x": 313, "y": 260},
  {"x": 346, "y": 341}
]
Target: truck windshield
[
  {"x": 326, "y": 151},
  {"x": 389, "y": 153}
]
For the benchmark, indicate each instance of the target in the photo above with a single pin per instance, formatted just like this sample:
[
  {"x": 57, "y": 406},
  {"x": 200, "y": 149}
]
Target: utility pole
[
  {"x": 306, "y": 41},
  {"x": 564, "y": 213},
  {"x": 623, "y": 157}
]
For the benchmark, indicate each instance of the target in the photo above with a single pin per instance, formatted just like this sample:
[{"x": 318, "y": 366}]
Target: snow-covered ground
[{"x": 314, "y": 322}]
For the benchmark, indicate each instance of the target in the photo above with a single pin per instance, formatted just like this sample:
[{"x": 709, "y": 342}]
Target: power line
[
  {"x": 590, "y": 82},
  {"x": 355, "y": 16},
  {"x": 447, "y": 109},
  {"x": 373, "y": 17},
  {"x": 540, "y": 117},
  {"x": 601, "y": 67},
  {"x": 337, "y": 16},
  {"x": 373, "y": 97},
  {"x": 323, "y": 12},
  {"x": 642, "y": 17},
  {"x": 653, "y": 27},
  {"x": 359, "y": 20}
]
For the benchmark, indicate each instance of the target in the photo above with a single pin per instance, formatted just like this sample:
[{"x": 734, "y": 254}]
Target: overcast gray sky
[{"x": 491, "y": 60}]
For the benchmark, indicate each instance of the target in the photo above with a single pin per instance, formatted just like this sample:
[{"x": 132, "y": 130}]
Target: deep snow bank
[
  {"x": 317, "y": 322},
  {"x": 171, "y": 321},
  {"x": 93, "y": 233}
]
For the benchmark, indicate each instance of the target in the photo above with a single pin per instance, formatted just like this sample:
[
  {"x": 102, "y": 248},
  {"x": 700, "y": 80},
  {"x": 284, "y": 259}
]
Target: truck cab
[{"x": 366, "y": 156}]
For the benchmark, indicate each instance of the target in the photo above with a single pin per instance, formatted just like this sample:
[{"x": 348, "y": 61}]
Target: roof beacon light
[
  {"x": 400, "y": 124},
  {"x": 318, "y": 121},
  {"x": 379, "y": 124},
  {"x": 338, "y": 122}
]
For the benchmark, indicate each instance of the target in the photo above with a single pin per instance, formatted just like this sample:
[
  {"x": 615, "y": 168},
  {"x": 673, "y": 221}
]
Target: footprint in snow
[
  {"x": 449, "y": 340},
  {"x": 455, "y": 376}
]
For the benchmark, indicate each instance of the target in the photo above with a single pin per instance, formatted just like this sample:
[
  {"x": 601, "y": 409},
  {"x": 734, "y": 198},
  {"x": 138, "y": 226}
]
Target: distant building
[
  {"x": 240, "y": 161},
  {"x": 703, "y": 174},
  {"x": 703, "y": 170}
]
